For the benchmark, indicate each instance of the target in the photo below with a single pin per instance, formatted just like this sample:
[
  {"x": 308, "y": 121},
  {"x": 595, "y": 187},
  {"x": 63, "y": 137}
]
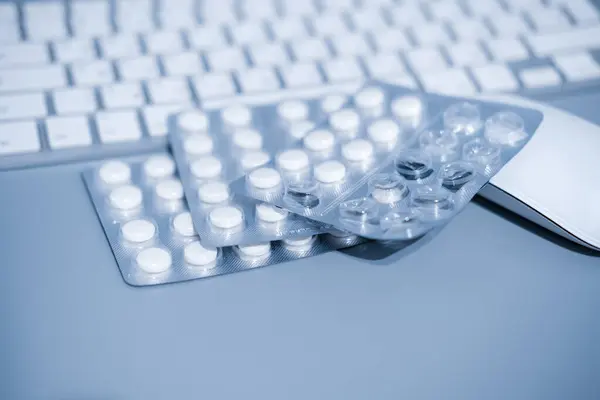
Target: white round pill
[
  {"x": 384, "y": 131},
  {"x": 293, "y": 111},
  {"x": 126, "y": 197},
  {"x": 270, "y": 213},
  {"x": 226, "y": 217},
  {"x": 407, "y": 107},
  {"x": 159, "y": 167},
  {"x": 248, "y": 139},
  {"x": 213, "y": 192},
  {"x": 170, "y": 190},
  {"x": 198, "y": 145},
  {"x": 154, "y": 260},
  {"x": 207, "y": 167},
  {"x": 237, "y": 116},
  {"x": 357, "y": 150},
  {"x": 114, "y": 173},
  {"x": 330, "y": 171},
  {"x": 183, "y": 225},
  {"x": 255, "y": 250},
  {"x": 301, "y": 243},
  {"x": 319, "y": 140},
  {"x": 254, "y": 159},
  {"x": 300, "y": 129},
  {"x": 193, "y": 121},
  {"x": 333, "y": 103},
  {"x": 264, "y": 178},
  {"x": 138, "y": 231},
  {"x": 345, "y": 121},
  {"x": 199, "y": 256},
  {"x": 293, "y": 160},
  {"x": 370, "y": 98}
]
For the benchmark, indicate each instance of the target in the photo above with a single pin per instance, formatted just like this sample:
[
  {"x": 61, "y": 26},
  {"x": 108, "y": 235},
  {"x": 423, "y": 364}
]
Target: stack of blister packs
[{"x": 245, "y": 187}]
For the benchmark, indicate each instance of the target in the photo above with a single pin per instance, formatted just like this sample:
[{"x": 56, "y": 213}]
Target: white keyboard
[{"x": 86, "y": 79}]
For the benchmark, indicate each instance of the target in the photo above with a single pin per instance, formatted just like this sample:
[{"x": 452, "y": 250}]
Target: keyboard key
[
  {"x": 295, "y": 7},
  {"x": 9, "y": 33},
  {"x": 174, "y": 17},
  {"x": 90, "y": 18},
  {"x": 350, "y": 45},
  {"x": 466, "y": 54},
  {"x": 329, "y": 24},
  {"x": 19, "y": 137},
  {"x": 301, "y": 75},
  {"x": 582, "y": 11},
  {"x": 248, "y": 32},
  {"x": 289, "y": 29},
  {"x": 22, "y": 106},
  {"x": 258, "y": 9},
  {"x": 342, "y": 70},
  {"x": 224, "y": 12},
  {"x": 539, "y": 77},
  {"x": 32, "y": 79},
  {"x": 469, "y": 30},
  {"x": 169, "y": 91},
  {"x": 430, "y": 34},
  {"x": 164, "y": 42},
  {"x": 446, "y": 11},
  {"x": 268, "y": 55},
  {"x": 391, "y": 39},
  {"x": 74, "y": 101},
  {"x": 426, "y": 60},
  {"x": 548, "y": 19},
  {"x": 383, "y": 65},
  {"x": 120, "y": 46},
  {"x": 214, "y": 85},
  {"x": 207, "y": 38},
  {"x": 8, "y": 13},
  {"x": 92, "y": 73},
  {"x": 226, "y": 59},
  {"x": 310, "y": 50},
  {"x": 134, "y": 16},
  {"x": 495, "y": 78},
  {"x": 23, "y": 54},
  {"x": 118, "y": 126},
  {"x": 576, "y": 39},
  {"x": 122, "y": 95},
  {"x": 508, "y": 25},
  {"x": 368, "y": 19},
  {"x": 406, "y": 15},
  {"x": 258, "y": 80},
  {"x": 507, "y": 49},
  {"x": 403, "y": 79},
  {"x": 578, "y": 67},
  {"x": 450, "y": 82},
  {"x": 484, "y": 8},
  {"x": 45, "y": 20},
  {"x": 67, "y": 132},
  {"x": 155, "y": 117},
  {"x": 139, "y": 68},
  {"x": 180, "y": 64},
  {"x": 72, "y": 50},
  {"x": 337, "y": 4}
]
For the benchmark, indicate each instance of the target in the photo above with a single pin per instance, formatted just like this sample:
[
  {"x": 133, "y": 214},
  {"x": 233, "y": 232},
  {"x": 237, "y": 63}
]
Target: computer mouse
[{"x": 555, "y": 180}]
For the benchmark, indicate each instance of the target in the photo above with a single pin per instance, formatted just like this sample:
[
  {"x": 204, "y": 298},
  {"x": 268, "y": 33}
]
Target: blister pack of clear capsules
[
  {"x": 213, "y": 148},
  {"x": 393, "y": 163},
  {"x": 142, "y": 209}
]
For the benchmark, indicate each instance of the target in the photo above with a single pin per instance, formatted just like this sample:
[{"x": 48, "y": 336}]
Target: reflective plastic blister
[
  {"x": 394, "y": 163},
  {"x": 213, "y": 148},
  {"x": 142, "y": 209}
]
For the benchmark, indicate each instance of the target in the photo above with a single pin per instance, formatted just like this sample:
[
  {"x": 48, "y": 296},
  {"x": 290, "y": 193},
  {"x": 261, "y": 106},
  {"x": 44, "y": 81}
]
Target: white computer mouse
[{"x": 555, "y": 180}]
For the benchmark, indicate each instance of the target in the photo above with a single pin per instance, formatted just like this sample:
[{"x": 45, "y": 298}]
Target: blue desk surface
[{"x": 491, "y": 308}]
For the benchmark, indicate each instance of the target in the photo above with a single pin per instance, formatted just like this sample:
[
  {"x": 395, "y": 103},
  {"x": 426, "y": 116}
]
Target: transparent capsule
[
  {"x": 402, "y": 224},
  {"x": 388, "y": 188},
  {"x": 481, "y": 152},
  {"x": 362, "y": 211},
  {"x": 413, "y": 165},
  {"x": 505, "y": 128},
  {"x": 441, "y": 145},
  {"x": 462, "y": 118},
  {"x": 432, "y": 202},
  {"x": 302, "y": 194},
  {"x": 456, "y": 174}
]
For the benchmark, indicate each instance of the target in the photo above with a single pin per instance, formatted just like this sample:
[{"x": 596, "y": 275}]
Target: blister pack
[
  {"x": 393, "y": 163},
  {"x": 211, "y": 149},
  {"x": 142, "y": 208}
]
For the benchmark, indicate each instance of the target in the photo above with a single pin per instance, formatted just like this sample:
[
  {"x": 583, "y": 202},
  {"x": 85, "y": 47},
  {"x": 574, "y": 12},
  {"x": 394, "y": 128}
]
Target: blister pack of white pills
[
  {"x": 394, "y": 163},
  {"x": 213, "y": 148},
  {"x": 142, "y": 209}
]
